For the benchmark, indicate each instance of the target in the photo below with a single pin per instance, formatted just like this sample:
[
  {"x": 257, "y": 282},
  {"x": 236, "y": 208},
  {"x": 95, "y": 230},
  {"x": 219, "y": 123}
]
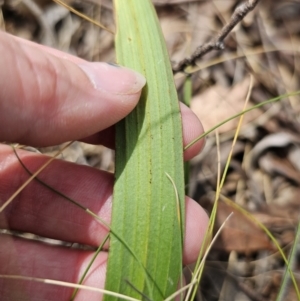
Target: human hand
[{"x": 46, "y": 98}]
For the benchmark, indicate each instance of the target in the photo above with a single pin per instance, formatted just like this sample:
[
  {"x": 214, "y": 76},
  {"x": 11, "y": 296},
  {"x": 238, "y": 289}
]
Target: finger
[
  {"x": 44, "y": 261},
  {"x": 191, "y": 127},
  {"x": 43, "y": 212},
  {"x": 46, "y": 99},
  {"x": 54, "y": 217},
  {"x": 195, "y": 230}
]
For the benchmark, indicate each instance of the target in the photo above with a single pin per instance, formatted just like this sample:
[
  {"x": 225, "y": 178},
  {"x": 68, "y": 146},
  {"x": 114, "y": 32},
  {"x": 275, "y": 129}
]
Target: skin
[{"x": 46, "y": 97}]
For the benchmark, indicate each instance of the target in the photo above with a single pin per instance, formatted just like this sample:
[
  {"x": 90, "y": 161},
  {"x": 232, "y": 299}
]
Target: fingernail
[
  {"x": 113, "y": 64},
  {"x": 113, "y": 79}
]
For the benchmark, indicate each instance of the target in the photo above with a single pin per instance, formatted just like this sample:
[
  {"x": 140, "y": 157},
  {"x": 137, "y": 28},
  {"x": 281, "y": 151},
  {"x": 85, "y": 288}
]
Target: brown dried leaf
[
  {"x": 274, "y": 165},
  {"x": 219, "y": 103},
  {"x": 239, "y": 233}
]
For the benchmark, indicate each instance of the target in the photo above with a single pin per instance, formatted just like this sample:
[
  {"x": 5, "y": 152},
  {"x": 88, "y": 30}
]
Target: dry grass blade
[
  {"x": 83, "y": 16},
  {"x": 68, "y": 284}
]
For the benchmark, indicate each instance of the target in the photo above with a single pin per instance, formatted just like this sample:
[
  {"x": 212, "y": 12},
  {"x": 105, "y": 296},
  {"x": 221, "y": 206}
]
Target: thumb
[{"x": 48, "y": 97}]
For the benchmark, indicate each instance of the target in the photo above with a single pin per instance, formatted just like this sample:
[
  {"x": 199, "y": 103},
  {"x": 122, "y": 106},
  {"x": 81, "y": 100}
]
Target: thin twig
[{"x": 217, "y": 43}]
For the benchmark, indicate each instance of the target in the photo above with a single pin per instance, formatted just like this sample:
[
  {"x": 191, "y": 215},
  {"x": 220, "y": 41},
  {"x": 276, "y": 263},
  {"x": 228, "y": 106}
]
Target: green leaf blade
[{"x": 148, "y": 145}]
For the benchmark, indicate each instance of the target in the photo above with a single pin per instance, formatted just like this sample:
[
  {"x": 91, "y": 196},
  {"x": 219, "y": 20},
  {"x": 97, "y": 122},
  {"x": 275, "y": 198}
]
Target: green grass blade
[
  {"x": 292, "y": 262},
  {"x": 148, "y": 145},
  {"x": 187, "y": 91},
  {"x": 187, "y": 97},
  {"x": 89, "y": 266},
  {"x": 275, "y": 99}
]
